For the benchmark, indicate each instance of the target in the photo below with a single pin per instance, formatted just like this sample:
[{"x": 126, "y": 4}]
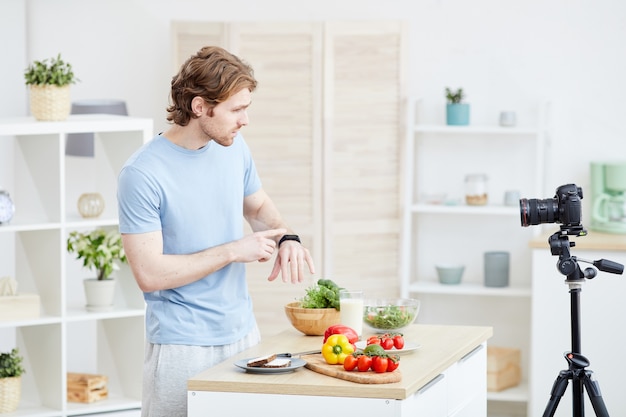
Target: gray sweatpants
[{"x": 168, "y": 367}]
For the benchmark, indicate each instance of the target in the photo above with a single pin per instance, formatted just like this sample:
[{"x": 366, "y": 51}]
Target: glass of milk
[{"x": 351, "y": 310}]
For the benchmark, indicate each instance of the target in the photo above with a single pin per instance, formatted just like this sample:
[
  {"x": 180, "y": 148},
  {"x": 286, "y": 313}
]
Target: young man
[{"x": 182, "y": 199}]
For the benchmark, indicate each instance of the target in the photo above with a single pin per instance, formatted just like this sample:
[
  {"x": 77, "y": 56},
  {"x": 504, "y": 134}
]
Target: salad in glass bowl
[{"x": 390, "y": 315}]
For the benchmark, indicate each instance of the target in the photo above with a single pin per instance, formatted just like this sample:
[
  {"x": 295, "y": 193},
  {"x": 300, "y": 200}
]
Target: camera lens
[{"x": 534, "y": 211}]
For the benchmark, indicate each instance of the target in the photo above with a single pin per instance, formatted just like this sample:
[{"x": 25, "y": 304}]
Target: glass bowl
[{"x": 390, "y": 315}]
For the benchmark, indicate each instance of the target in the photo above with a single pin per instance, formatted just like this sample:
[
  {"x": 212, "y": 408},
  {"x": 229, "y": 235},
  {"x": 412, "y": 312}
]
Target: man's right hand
[{"x": 258, "y": 246}]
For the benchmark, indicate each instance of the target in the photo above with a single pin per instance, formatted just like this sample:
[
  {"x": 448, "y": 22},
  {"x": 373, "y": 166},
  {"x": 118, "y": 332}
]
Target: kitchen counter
[
  {"x": 441, "y": 347},
  {"x": 593, "y": 241}
]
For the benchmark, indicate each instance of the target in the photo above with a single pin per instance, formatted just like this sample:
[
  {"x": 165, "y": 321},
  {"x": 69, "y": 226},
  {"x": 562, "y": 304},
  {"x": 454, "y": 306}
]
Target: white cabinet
[
  {"x": 45, "y": 186},
  {"x": 440, "y": 228},
  {"x": 459, "y": 391}
]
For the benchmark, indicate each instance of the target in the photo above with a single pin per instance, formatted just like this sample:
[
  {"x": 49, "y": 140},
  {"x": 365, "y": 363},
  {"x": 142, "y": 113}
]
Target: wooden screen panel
[
  {"x": 284, "y": 137},
  {"x": 189, "y": 37},
  {"x": 283, "y": 132},
  {"x": 362, "y": 209}
]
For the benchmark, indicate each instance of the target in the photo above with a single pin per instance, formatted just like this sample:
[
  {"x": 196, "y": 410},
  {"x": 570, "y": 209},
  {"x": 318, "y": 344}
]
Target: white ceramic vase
[{"x": 99, "y": 294}]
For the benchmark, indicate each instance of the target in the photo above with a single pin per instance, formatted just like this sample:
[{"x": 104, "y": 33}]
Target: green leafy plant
[
  {"x": 324, "y": 294},
  {"x": 11, "y": 364},
  {"x": 51, "y": 71},
  {"x": 455, "y": 97},
  {"x": 99, "y": 250}
]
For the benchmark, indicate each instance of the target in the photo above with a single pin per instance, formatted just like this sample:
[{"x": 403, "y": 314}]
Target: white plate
[
  {"x": 408, "y": 347},
  {"x": 295, "y": 364}
]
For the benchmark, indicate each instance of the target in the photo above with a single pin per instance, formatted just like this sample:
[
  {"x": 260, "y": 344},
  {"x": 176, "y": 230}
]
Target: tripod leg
[
  {"x": 578, "y": 400},
  {"x": 593, "y": 390},
  {"x": 558, "y": 389}
]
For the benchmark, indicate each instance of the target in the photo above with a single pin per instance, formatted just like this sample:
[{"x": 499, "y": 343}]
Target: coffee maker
[{"x": 608, "y": 188}]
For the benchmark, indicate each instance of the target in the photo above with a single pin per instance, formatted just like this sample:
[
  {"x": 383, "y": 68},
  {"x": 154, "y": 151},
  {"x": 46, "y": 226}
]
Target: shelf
[
  {"x": 465, "y": 209},
  {"x": 22, "y": 226},
  {"x": 111, "y": 404},
  {"x": 495, "y": 130},
  {"x": 438, "y": 227},
  {"x": 41, "y": 320},
  {"x": 433, "y": 287},
  {"x": 514, "y": 394},
  {"x": 75, "y": 123},
  {"x": 45, "y": 185},
  {"x": 79, "y": 314}
]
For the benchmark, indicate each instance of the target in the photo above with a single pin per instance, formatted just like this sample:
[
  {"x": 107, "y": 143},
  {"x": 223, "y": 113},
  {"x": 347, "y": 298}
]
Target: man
[{"x": 181, "y": 200}]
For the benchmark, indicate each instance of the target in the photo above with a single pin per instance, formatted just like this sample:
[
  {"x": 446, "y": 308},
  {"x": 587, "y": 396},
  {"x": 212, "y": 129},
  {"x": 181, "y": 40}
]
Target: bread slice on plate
[
  {"x": 261, "y": 360},
  {"x": 278, "y": 363}
]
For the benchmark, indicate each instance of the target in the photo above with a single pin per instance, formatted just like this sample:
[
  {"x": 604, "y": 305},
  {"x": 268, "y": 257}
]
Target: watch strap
[{"x": 288, "y": 237}]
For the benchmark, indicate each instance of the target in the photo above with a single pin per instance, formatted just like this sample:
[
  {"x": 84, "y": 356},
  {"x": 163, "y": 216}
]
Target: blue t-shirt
[{"x": 195, "y": 198}]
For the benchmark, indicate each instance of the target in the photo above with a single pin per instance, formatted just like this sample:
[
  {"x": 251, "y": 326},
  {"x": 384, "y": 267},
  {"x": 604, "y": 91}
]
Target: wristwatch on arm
[{"x": 288, "y": 237}]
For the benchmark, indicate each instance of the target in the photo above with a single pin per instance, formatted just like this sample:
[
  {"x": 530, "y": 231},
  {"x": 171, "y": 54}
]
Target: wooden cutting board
[{"x": 317, "y": 364}]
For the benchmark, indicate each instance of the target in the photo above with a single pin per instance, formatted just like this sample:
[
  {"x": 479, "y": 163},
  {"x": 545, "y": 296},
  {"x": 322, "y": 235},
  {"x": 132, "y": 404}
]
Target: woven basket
[
  {"x": 10, "y": 393},
  {"x": 50, "y": 102}
]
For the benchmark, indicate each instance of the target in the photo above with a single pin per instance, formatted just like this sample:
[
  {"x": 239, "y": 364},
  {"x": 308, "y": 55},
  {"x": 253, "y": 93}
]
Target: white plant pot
[{"x": 99, "y": 294}]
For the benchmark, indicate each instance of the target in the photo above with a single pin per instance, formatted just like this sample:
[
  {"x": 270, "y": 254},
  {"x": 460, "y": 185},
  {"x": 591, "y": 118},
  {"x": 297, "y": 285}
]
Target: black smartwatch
[{"x": 289, "y": 237}]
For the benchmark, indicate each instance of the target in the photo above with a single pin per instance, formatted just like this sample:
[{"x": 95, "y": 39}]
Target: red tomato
[
  {"x": 387, "y": 343},
  {"x": 364, "y": 363},
  {"x": 350, "y": 362},
  {"x": 398, "y": 341},
  {"x": 373, "y": 340},
  {"x": 379, "y": 364},
  {"x": 393, "y": 363}
]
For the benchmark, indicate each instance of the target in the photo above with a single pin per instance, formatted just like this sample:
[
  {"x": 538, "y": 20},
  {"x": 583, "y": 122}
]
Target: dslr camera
[{"x": 565, "y": 208}]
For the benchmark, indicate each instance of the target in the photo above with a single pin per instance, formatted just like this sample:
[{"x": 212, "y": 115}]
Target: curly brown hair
[{"x": 213, "y": 74}]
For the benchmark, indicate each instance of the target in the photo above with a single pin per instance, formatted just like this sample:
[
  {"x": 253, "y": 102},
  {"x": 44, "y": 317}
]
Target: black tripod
[{"x": 576, "y": 372}]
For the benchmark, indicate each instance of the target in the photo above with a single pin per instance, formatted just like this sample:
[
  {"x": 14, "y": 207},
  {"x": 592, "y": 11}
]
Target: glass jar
[
  {"x": 90, "y": 205},
  {"x": 476, "y": 189}
]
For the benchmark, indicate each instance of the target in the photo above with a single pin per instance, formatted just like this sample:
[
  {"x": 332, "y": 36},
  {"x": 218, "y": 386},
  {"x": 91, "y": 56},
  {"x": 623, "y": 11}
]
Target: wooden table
[{"x": 443, "y": 351}]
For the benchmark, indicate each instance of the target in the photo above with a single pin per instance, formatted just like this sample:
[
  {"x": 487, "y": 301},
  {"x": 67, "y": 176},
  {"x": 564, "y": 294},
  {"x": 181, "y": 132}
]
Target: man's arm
[
  {"x": 262, "y": 214},
  {"x": 154, "y": 270}
]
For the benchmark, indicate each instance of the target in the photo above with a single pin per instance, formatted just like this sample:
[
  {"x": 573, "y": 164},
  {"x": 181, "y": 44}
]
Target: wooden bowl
[{"x": 311, "y": 321}]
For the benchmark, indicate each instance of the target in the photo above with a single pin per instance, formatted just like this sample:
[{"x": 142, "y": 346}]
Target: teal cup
[{"x": 450, "y": 274}]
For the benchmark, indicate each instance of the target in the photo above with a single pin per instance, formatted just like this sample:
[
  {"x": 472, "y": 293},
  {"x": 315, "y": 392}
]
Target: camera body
[{"x": 564, "y": 208}]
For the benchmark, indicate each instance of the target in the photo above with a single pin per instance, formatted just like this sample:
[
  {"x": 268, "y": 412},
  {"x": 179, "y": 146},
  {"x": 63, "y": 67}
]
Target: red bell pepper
[{"x": 349, "y": 332}]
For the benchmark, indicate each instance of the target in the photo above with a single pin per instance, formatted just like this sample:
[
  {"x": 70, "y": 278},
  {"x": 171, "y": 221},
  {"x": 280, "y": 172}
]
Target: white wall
[
  {"x": 506, "y": 54},
  {"x": 13, "y": 96}
]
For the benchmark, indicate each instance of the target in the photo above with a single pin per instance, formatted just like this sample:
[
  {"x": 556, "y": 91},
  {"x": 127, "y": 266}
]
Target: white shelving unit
[
  {"x": 440, "y": 228},
  {"x": 45, "y": 186}
]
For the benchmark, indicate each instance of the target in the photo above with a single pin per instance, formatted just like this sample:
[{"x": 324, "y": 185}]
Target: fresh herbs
[
  {"x": 388, "y": 317},
  {"x": 11, "y": 364},
  {"x": 324, "y": 294},
  {"x": 51, "y": 71}
]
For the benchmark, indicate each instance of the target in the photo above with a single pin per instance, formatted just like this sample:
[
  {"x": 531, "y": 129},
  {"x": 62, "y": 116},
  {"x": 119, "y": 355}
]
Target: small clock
[{"x": 7, "y": 208}]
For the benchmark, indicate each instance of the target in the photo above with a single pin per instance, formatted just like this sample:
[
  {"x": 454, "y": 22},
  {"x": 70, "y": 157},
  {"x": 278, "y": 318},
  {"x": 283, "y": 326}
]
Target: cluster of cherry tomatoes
[
  {"x": 376, "y": 355},
  {"x": 388, "y": 341},
  {"x": 378, "y": 363}
]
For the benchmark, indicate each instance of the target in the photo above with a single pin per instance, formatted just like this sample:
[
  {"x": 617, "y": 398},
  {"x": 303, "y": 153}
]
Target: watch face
[{"x": 7, "y": 209}]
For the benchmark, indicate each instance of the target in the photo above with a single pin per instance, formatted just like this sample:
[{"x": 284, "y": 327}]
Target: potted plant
[
  {"x": 49, "y": 82},
  {"x": 102, "y": 251},
  {"x": 457, "y": 112},
  {"x": 10, "y": 380}
]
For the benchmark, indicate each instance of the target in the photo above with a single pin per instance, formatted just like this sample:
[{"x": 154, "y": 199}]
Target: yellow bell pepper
[{"x": 336, "y": 348}]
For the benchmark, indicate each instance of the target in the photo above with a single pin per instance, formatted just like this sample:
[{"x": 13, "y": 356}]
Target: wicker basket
[
  {"x": 50, "y": 102},
  {"x": 10, "y": 393}
]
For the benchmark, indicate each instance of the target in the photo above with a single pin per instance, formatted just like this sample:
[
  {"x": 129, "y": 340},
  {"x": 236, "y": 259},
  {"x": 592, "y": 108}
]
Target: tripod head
[{"x": 568, "y": 264}]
